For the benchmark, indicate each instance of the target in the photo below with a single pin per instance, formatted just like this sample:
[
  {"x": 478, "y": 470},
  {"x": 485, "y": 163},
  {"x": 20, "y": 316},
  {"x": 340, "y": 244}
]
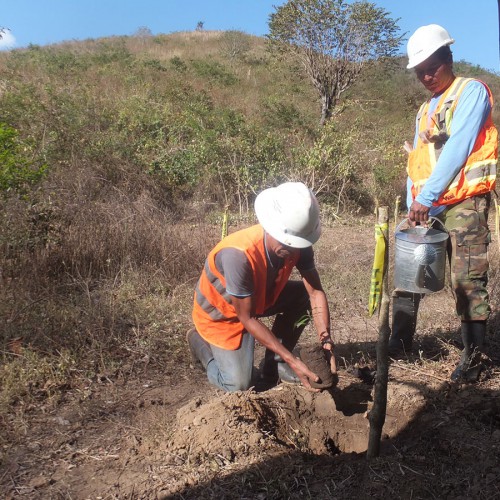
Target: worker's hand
[
  {"x": 427, "y": 136},
  {"x": 304, "y": 374},
  {"x": 418, "y": 213},
  {"x": 407, "y": 147},
  {"x": 327, "y": 345}
]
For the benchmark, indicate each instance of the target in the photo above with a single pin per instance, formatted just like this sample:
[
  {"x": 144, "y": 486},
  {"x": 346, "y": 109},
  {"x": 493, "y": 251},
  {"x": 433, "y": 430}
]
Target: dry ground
[{"x": 148, "y": 431}]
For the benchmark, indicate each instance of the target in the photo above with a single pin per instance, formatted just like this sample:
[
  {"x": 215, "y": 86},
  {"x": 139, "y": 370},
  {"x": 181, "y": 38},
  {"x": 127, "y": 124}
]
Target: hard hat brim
[{"x": 422, "y": 56}]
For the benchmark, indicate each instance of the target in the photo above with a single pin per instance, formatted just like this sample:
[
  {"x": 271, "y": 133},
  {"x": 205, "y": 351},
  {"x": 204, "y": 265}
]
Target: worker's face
[
  {"x": 284, "y": 251},
  {"x": 434, "y": 74},
  {"x": 279, "y": 249}
]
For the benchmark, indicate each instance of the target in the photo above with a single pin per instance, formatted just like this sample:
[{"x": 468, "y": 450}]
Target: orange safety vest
[
  {"x": 478, "y": 174},
  {"x": 214, "y": 315}
]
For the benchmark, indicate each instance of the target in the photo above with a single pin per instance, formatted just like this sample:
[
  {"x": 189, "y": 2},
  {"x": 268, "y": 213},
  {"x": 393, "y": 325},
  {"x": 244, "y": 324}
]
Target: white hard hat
[
  {"x": 425, "y": 41},
  {"x": 290, "y": 214}
]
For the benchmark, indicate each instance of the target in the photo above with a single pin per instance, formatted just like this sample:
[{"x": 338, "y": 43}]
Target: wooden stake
[
  {"x": 378, "y": 412},
  {"x": 396, "y": 209},
  {"x": 225, "y": 219}
]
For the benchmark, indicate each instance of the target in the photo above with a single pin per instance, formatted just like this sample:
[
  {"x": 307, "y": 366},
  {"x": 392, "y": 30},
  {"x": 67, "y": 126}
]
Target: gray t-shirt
[{"x": 234, "y": 266}]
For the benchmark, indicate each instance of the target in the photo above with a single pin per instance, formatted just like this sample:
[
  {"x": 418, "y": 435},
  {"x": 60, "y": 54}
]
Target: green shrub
[
  {"x": 19, "y": 166},
  {"x": 112, "y": 52},
  {"x": 57, "y": 60},
  {"x": 329, "y": 166},
  {"x": 215, "y": 149},
  {"x": 282, "y": 115},
  {"x": 154, "y": 64},
  {"x": 214, "y": 72},
  {"x": 178, "y": 64}
]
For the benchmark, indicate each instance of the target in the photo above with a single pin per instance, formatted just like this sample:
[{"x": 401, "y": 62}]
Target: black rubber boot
[
  {"x": 470, "y": 367},
  {"x": 292, "y": 313},
  {"x": 270, "y": 369},
  {"x": 286, "y": 374},
  {"x": 288, "y": 336},
  {"x": 404, "y": 321},
  {"x": 200, "y": 349}
]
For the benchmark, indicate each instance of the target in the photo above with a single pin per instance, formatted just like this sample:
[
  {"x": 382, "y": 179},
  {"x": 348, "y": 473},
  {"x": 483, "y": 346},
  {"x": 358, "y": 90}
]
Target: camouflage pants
[{"x": 467, "y": 223}]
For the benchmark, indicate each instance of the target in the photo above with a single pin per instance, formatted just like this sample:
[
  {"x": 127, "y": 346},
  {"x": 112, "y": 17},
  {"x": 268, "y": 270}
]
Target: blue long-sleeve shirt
[{"x": 473, "y": 108}]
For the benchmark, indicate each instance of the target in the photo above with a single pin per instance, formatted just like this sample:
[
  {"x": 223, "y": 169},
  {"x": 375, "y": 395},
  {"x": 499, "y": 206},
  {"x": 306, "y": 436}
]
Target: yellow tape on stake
[{"x": 378, "y": 268}]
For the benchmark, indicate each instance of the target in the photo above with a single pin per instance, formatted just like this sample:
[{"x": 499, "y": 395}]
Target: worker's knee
[
  {"x": 240, "y": 385},
  {"x": 232, "y": 382}
]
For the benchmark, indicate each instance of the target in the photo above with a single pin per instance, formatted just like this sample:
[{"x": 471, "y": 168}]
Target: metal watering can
[{"x": 420, "y": 258}]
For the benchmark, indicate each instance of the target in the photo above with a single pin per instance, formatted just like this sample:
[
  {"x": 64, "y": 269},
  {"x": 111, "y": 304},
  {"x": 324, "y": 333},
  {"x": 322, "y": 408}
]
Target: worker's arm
[
  {"x": 244, "y": 309},
  {"x": 320, "y": 313}
]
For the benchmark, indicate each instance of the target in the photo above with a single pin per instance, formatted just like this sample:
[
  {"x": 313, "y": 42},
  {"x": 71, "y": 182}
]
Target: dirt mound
[
  {"x": 235, "y": 431},
  {"x": 248, "y": 424}
]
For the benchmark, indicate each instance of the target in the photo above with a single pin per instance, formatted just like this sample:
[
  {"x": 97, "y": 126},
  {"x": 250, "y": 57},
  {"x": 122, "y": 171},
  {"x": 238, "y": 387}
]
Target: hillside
[{"x": 120, "y": 156}]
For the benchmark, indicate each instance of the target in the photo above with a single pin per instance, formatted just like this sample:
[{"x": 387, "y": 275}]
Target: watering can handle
[
  {"x": 435, "y": 219},
  {"x": 432, "y": 219}
]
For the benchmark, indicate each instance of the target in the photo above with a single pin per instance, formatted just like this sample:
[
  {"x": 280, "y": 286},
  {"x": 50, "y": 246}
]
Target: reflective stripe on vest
[
  {"x": 478, "y": 175},
  {"x": 210, "y": 309}
]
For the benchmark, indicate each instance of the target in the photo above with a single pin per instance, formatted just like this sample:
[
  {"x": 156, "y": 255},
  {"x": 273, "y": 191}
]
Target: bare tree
[
  {"x": 143, "y": 32},
  {"x": 235, "y": 44},
  {"x": 333, "y": 41}
]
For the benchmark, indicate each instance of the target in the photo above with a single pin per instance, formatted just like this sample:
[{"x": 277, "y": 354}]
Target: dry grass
[{"x": 113, "y": 287}]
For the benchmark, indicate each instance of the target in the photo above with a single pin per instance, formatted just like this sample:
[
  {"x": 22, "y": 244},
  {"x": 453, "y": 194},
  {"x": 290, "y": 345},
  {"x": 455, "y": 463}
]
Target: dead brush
[{"x": 114, "y": 289}]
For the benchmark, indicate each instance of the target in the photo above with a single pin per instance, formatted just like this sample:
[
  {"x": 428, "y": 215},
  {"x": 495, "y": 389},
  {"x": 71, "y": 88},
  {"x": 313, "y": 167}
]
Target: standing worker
[
  {"x": 246, "y": 277},
  {"x": 451, "y": 173}
]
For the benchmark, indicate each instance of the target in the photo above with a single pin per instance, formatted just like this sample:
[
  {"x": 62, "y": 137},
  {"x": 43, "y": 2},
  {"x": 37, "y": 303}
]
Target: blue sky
[{"x": 473, "y": 24}]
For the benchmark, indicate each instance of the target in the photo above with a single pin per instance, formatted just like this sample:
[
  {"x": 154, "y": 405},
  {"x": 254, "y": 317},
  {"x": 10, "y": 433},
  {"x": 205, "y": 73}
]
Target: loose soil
[{"x": 161, "y": 431}]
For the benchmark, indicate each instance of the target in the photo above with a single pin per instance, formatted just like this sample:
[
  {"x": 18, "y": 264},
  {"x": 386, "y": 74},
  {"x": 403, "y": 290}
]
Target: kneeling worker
[{"x": 246, "y": 277}]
